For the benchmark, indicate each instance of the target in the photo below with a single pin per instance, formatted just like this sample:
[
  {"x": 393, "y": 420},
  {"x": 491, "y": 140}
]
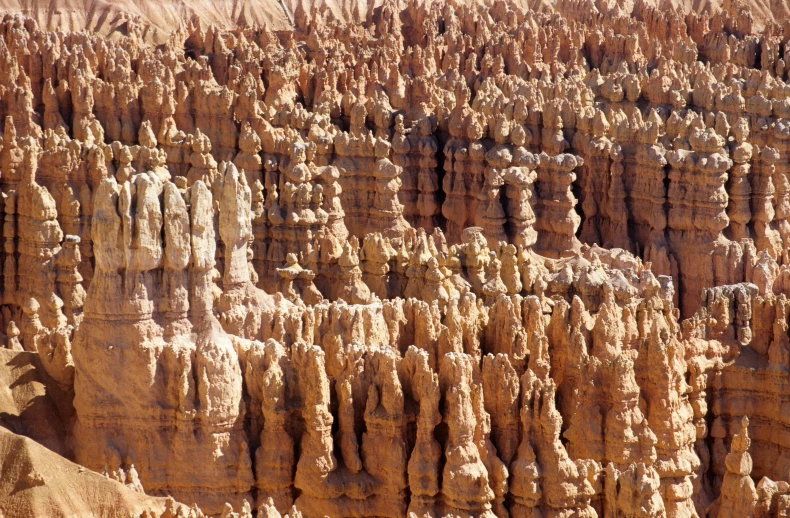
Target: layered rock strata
[{"x": 447, "y": 261}]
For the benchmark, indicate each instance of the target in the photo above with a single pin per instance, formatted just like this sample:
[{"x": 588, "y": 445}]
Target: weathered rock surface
[
  {"x": 443, "y": 261},
  {"x": 35, "y": 481}
]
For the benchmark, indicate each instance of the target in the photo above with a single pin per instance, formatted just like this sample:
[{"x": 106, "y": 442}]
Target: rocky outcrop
[
  {"x": 148, "y": 314},
  {"x": 443, "y": 261}
]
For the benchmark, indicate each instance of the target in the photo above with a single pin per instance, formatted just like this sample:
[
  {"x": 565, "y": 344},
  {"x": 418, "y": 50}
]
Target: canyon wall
[{"x": 451, "y": 261}]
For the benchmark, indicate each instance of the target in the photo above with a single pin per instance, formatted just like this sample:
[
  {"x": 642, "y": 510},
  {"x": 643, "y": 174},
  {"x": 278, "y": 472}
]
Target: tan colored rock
[
  {"x": 425, "y": 259},
  {"x": 738, "y": 496},
  {"x": 557, "y": 220}
]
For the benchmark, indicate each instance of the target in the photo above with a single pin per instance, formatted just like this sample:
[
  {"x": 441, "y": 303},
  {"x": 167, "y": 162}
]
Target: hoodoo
[{"x": 411, "y": 258}]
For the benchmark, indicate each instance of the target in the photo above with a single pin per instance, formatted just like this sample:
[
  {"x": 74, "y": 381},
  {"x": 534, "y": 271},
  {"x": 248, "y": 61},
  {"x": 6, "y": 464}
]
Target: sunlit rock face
[{"x": 424, "y": 259}]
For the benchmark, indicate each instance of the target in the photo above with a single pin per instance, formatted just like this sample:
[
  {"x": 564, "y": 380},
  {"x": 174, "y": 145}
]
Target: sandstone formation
[
  {"x": 428, "y": 259},
  {"x": 37, "y": 482},
  {"x": 156, "y": 21}
]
